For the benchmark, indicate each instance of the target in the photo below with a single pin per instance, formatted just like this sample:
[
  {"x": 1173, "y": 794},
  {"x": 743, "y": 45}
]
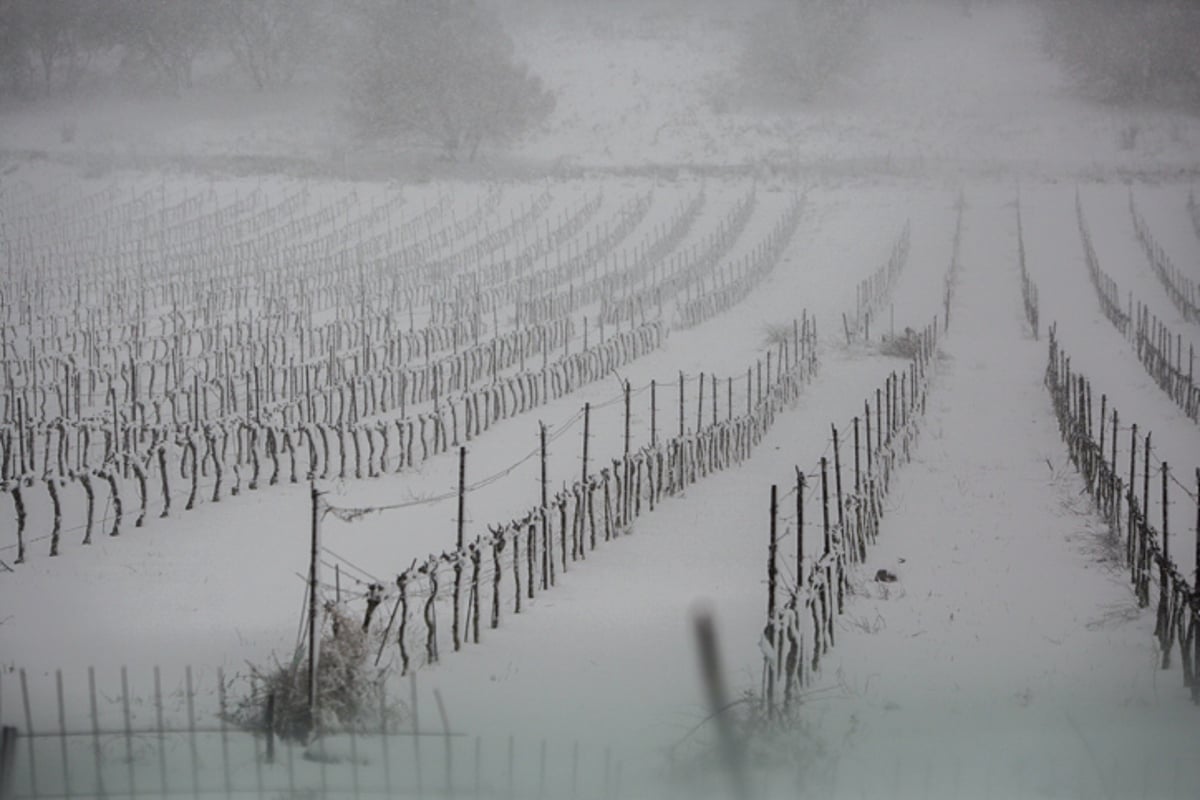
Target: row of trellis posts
[
  {"x": 1158, "y": 348},
  {"x": 816, "y": 595},
  {"x": 1093, "y": 443},
  {"x": 321, "y": 404},
  {"x": 800, "y": 615},
  {"x": 536, "y": 548}
]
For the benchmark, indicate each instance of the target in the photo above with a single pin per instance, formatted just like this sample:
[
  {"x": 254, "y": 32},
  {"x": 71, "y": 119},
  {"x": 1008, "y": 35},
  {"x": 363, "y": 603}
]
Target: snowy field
[{"x": 645, "y": 241}]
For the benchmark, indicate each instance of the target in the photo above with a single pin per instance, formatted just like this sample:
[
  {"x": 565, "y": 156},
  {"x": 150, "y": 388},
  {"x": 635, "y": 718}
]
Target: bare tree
[
  {"x": 796, "y": 48},
  {"x": 269, "y": 38},
  {"x": 443, "y": 69},
  {"x": 15, "y": 66},
  {"x": 55, "y": 39},
  {"x": 1128, "y": 51},
  {"x": 165, "y": 36}
]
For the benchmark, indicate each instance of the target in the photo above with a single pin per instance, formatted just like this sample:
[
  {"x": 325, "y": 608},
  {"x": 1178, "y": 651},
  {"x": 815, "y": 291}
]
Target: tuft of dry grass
[{"x": 907, "y": 345}]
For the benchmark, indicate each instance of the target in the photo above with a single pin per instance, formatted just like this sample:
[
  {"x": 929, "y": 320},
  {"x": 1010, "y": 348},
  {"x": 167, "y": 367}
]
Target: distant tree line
[
  {"x": 443, "y": 70},
  {"x": 463, "y": 84},
  {"x": 1129, "y": 51},
  {"x": 50, "y": 46},
  {"x": 794, "y": 49}
]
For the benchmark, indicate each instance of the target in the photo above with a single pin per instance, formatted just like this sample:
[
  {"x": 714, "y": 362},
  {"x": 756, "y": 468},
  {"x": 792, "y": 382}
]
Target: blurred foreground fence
[{"x": 96, "y": 744}]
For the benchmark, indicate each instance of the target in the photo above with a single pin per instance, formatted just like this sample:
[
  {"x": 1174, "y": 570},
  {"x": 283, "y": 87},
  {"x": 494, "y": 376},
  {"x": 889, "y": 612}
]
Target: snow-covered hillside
[{"x": 1009, "y": 658}]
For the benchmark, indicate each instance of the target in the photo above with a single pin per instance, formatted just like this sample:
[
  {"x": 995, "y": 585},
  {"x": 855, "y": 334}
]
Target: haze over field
[
  {"x": 269, "y": 264},
  {"x": 965, "y": 84}
]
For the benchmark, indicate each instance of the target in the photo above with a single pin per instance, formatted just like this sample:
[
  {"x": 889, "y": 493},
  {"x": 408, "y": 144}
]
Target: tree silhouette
[{"x": 443, "y": 69}]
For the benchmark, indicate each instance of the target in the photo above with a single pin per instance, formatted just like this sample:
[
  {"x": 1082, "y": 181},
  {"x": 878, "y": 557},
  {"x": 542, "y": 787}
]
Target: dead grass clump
[
  {"x": 907, "y": 345},
  {"x": 350, "y": 691}
]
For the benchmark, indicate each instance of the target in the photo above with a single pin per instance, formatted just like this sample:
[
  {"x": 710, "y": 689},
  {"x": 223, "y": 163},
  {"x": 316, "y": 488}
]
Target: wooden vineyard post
[
  {"x": 857, "y": 465},
  {"x": 1129, "y": 533},
  {"x": 1143, "y": 532},
  {"x": 1113, "y": 482},
  {"x": 462, "y": 503},
  {"x": 859, "y": 521},
  {"x": 653, "y": 413},
  {"x": 890, "y": 391},
  {"x": 799, "y": 529},
  {"x": 808, "y": 336},
  {"x": 796, "y": 355},
  {"x": 1164, "y": 617},
  {"x": 878, "y": 421},
  {"x": 713, "y": 383},
  {"x": 1100, "y": 453},
  {"x": 462, "y": 495},
  {"x": 700, "y": 404},
  {"x": 1192, "y": 383},
  {"x": 870, "y": 450},
  {"x": 544, "y": 479},
  {"x": 1196, "y": 588},
  {"x": 587, "y": 424},
  {"x": 828, "y": 548},
  {"x": 681, "y": 405},
  {"x": 837, "y": 476},
  {"x": 19, "y": 504},
  {"x": 20, "y": 414},
  {"x": 1145, "y": 480},
  {"x": 628, "y": 494},
  {"x": 1087, "y": 393},
  {"x": 116, "y": 433},
  {"x": 825, "y": 504},
  {"x": 314, "y": 634},
  {"x": 771, "y": 581},
  {"x": 1166, "y": 541}
]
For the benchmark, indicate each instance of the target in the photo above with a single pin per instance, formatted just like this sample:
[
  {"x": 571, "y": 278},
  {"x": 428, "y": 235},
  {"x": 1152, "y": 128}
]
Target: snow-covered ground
[{"x": 1009, "y": 660}]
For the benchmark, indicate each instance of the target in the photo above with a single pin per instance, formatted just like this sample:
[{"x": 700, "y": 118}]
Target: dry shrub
[
  {"x": 779, "y": 740},
  {"x": 350, "y": 689},
  {"x": 907, "y": 345},
  {"x": 777, "y": 333},
  {"x": 1129, "y": 51}
]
